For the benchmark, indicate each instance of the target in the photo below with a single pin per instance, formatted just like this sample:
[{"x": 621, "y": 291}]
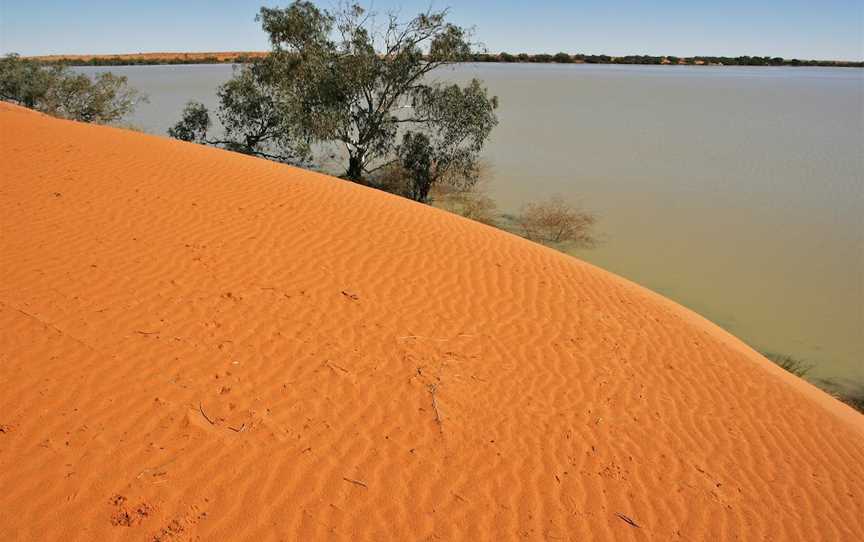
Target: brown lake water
[{"x": 736, "y": 191}]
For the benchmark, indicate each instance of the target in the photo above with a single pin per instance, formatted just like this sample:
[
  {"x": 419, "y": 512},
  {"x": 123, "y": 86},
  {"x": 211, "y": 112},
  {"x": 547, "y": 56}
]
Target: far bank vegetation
[{"x": 145, "y": 59}]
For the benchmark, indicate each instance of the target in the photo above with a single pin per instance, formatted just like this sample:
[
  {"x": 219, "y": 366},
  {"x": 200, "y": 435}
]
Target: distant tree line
[
  {"x": 566, "y": 58},
  {"x": 147, "y": 61},
  {"x": 542, "y": 58}
]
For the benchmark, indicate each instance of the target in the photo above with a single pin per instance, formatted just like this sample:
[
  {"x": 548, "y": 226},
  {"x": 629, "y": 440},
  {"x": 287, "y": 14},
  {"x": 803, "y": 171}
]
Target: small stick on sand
[
  {"x": 147, "y": 332},
  {"x": 334, "y": 367},
  {"x": 206, "y": 417},
  {"x": 356, "y": 482},
  {"x": 432, "y": 389},
  {"x": 627, "y": 520},
  {"x": 238, "y": 430},
  {"x": 154, "y": 469}
]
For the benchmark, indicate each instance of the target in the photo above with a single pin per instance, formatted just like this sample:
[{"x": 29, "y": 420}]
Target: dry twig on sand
[
  {"x": 206, "y": 417},
  {"x": 432, "y": 389},
  {"x": 333, "y": 367},
  {"x": 406, "y": 337},
  {"x": 356, "y": 482},
  {"x": 156, "y": 470},
  {"x": 627, "y": 520}
]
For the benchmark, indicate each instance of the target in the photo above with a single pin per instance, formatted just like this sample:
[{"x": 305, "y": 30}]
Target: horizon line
[{"x": 490, "y": 53}]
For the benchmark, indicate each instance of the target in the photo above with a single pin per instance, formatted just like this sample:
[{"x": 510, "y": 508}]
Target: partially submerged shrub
[
  {"x": 845, "y": 390},
  {"x": 469, "y": 201},
  {"x": 553, "y": 221},
  {"x": 795, "y": 366},
  {"x": 478, "y": 206},
  {"x": 556, "y": 221},
  {"x": 472, "y": 201},
  {"x": 854, "y": 399},
  {"x": 473, "y": 204},
  {"x": 392, "y": 178}
]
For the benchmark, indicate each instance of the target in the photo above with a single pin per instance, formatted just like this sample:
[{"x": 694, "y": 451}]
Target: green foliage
[
  {"x": 56, "y": 91},
  {"x": 341, "y": 77},
  {"x": 252, "y": 117},
  {"x": 415, "y": 156},
  {"x": 25, "y": 83},
  {"x": 194, "y": 124},
  {"x": 103, "y": 100},
  {"x": 460, "y": 120}
]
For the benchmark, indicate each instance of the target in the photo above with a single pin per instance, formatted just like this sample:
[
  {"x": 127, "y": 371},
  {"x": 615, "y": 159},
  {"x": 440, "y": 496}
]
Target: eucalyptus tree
[
  {"x": 363, "y": 82},
  {"x": 254, "y": 116}
]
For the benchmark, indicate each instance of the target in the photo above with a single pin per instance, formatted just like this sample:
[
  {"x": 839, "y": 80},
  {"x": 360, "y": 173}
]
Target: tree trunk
[
  {"x": 423, "y": 192},
  {"x": 355, "y": 167}
]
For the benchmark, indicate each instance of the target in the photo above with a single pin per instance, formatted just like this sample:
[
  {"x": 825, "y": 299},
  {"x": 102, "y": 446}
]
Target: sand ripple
[{"x": 197, "y": 345}]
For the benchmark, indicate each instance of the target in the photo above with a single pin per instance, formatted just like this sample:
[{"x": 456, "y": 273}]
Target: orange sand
[{"x": 199, "y": 345}]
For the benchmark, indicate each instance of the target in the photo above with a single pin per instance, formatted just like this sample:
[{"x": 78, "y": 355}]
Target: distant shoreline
[{"x": 231, "y": 57}]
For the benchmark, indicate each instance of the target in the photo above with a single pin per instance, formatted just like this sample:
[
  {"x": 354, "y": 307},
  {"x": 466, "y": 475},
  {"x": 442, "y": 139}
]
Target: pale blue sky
[{"x": 827, "y": 29}]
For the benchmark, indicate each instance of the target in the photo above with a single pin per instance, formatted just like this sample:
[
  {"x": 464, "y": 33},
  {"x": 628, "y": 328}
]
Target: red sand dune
[{"x": 199, "y": 345}]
